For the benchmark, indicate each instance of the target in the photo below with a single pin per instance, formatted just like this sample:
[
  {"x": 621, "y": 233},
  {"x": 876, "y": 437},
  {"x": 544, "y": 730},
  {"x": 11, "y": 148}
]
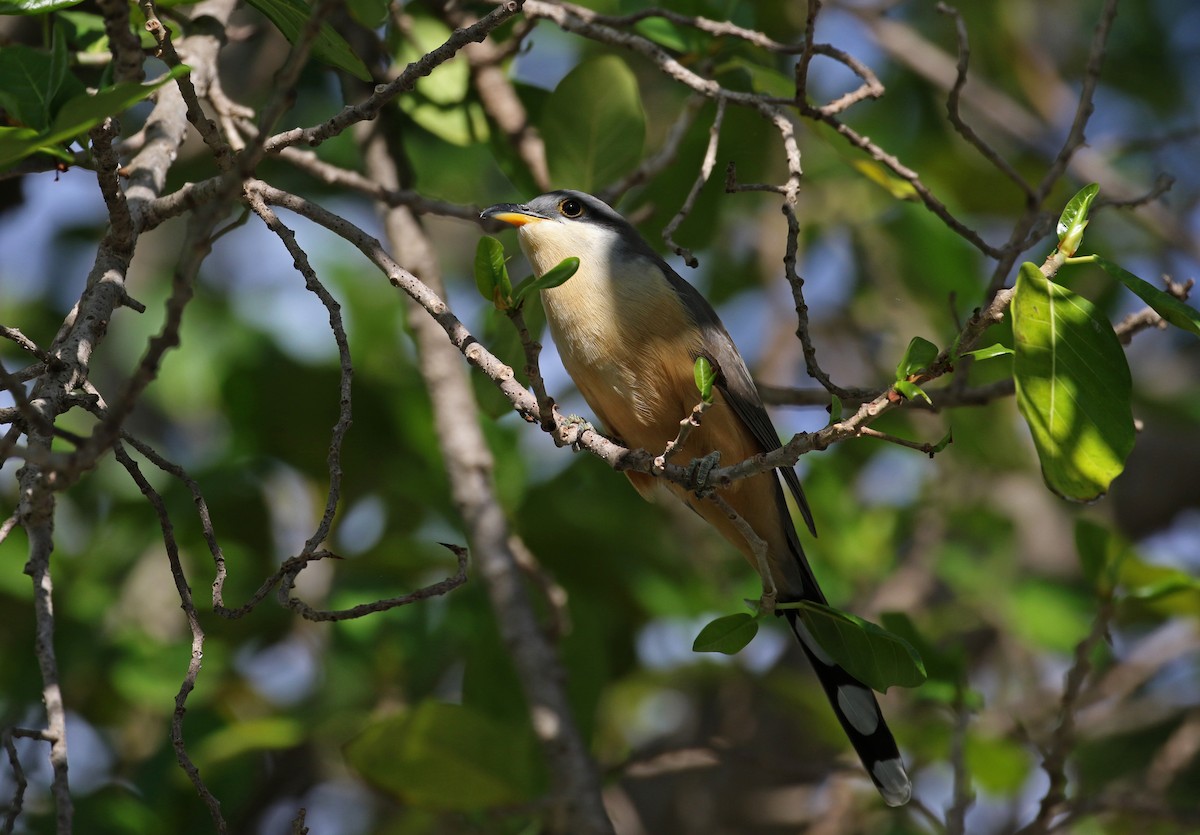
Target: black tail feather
[{"x": 858, "y": 712}]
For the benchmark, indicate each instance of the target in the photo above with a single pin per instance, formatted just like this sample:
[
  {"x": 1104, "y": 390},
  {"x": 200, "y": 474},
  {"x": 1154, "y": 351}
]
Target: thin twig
[
  {"x": 689, "y": 203},
  {"x": 197, "y": 632}
]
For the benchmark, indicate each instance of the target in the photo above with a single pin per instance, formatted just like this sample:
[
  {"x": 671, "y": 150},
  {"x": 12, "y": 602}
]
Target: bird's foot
[
  {"x": 699, "y": 470},
  {"x": 573, "y": 426}
]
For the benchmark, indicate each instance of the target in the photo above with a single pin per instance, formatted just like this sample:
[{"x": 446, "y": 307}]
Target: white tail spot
[
  {"x": 809, "y": 641},
  {"x": 893, "y": 782},
  {"x": 858, "y": 705}
]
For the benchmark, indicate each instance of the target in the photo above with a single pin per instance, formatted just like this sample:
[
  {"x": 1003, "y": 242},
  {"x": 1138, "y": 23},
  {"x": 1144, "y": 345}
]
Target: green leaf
[
  {"x": 919, "y": 355},
  {"x": 290, "y": 16},
  {"x": 1048, "y": 615},
  {"x": 1074, "y": 218},
  {"x": 729, "y": 634},
  {"x": 876, "y": 657},
  {"x": 946, "y": 440},
  {"x": 881, "y": 176},
  {"x": 1164, "y": 304},
  {"x": 491, "y": 276},
  {"x": 835, "y": 410},
  {"x": 1000, "y": 765},
  {"x": 1101, "y": 553},
  {"x": 1073, "y": 387},
  {"x": 439, "y": 102},
  {"x": 911, "y": 390},
  {"x": 705, "y": 377},
  {"x": 31, "y": 7},
  {"x": 947, "y": 665},
  {"x": 31, "y": 77},
  {"x": 990, "y": 352},
  {"x": 663, "y": 32},
  {"x": 78, "y": 115},
  {"x": 262, "y": 734},
  {"x": 594, "y": 125},
  {"x": 449, "y": 757},
  {"x": 1164, "y": 589},
  {"x": 556, "y": 275},
  {"x": 370, "y": 13},
  {"x": 1179, "y": 582}
]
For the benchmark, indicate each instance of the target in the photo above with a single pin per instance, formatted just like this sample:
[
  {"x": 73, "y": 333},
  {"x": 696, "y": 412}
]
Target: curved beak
[{"x": 512, "y": 213}]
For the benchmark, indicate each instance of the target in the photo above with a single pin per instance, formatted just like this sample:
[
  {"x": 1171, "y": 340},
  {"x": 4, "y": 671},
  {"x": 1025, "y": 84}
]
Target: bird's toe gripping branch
[
  {"x": 698, "y": 472},
  {"x": 574, "y": 426}
]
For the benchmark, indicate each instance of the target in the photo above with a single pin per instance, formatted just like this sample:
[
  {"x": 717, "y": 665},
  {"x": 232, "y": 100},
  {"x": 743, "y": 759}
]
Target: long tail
[{"x": 858, "y": 711}]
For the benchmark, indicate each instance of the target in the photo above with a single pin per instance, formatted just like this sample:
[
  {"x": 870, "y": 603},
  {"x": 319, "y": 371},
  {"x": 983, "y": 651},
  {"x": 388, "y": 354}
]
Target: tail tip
[{"x": 892, "y": 781}]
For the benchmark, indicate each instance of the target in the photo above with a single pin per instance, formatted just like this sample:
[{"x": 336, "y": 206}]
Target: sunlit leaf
[
  {"x": 553, "y": 277},
  {"x": 1073, "y": 387},
  {"x": 876, "y": 657},
  {"x": 1176, "y": 312},
  {"x": 990, "y": 352},
  {"x": 881, "y": 176},
  {"x": 593, "y": 124},
  {"x": 1073, "y": 219},
  {"x": 705, "y": 377},
  {"x": 31, "y": 7}
]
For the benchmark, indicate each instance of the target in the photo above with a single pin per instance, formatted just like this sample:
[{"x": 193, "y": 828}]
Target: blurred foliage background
[{"x": 412, "y": 721}]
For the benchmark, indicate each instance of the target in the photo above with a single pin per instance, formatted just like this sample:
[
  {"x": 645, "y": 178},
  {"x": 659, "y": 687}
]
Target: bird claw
[
  {"x": 699, "y": 470},
  {"x": 573, "y": 427}
]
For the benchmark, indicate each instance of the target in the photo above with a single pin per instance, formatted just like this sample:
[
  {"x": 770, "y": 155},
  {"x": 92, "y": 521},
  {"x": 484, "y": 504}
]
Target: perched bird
[{"x": 629, "y": 331}]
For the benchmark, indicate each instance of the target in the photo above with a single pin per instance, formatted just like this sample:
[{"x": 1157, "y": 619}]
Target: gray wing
[{"x": 735, "y": 383}]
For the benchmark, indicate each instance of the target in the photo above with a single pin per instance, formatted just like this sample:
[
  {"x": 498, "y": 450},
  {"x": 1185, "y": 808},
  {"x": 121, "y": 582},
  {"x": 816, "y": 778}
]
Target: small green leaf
[
  {"x": 835, "y": 409},
  {"x": 1074, "y": 219},
  {"x": 946, "y": 440},
  {"x": 663, "y": 32},
  {"x": 594, "y": 125},
  {"x": 911, "y": 390},
  {"x": 876, "y": 657},
  {"x": 1073, "y": 387},
  {"x": 490, "y": 273},
  {"x": 705, "y": 377},
  {"x": 881, "y": 176},
  {"x": 728, "y": 635},
  {"x": 1164, "y": 304},
  {"x": 290, "y": 16},
  {"x": 553, "y": 277},
  {"x": 919, "y": 355},
  {"x": 990, "y": 352}
]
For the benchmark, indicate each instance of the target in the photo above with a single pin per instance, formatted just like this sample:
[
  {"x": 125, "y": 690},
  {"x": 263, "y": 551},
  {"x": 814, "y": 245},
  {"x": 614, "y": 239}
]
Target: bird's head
[{"x": 561, "y": 224}]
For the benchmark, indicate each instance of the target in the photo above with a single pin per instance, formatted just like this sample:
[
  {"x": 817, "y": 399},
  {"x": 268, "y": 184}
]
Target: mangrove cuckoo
[{"x": 629, "y": 331}]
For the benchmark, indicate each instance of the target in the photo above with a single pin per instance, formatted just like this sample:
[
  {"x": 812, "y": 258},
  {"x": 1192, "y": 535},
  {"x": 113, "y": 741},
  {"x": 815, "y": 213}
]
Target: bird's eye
[{"x": 571, "y": 208}]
